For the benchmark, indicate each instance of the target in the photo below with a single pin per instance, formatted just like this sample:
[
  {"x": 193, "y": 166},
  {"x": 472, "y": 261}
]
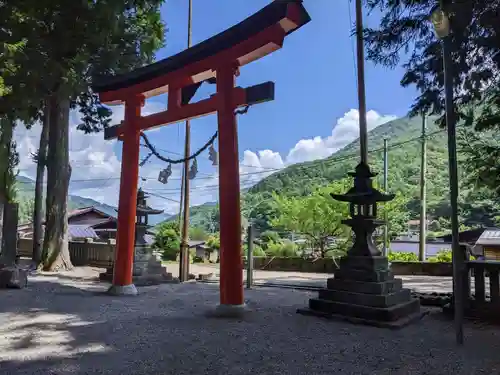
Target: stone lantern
[
  {"x": 362, "y": 199},
  {"x": 147, "y": 269},
  {"x": 363, "y": 289}
]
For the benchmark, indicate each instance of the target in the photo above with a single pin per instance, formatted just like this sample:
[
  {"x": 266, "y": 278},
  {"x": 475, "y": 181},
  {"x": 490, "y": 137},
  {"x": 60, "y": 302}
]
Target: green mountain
[
  {"x": 26, "y": 195},
  {"x": 404, "y": 150},
  {"x": 478, "y": 208}
]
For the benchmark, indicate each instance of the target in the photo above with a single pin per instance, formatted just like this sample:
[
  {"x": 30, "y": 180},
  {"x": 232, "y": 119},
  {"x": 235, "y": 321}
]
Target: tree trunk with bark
[
  {"x": 41, "y": 158},
  {"x": 6, "y": 175},
  {"x": 55, "y": 245}
]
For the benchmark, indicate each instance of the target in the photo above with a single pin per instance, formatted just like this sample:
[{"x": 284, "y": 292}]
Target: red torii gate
[{"x": 216, "y": 59}]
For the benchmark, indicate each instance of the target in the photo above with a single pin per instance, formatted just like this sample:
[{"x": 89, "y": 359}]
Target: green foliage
[
  {"x": 258, "y": 251},
  {"x": 26, "y": 208},
  {"x": 481, "y": 152},
  {"x": 167, "y": 240},
  {"x": 395, "y": 256},
  {"x": 474, "y": 44},
  {"x": 317, "y": 216},
  {"x": 197, "y": 234},
  {"x": 269, "y": 236},
  {"x": 213, "y": 241},
  {"x": 284, "y": 248},
  {"x": 442, "y": 256},
  {"x": 174, "y": 225}
]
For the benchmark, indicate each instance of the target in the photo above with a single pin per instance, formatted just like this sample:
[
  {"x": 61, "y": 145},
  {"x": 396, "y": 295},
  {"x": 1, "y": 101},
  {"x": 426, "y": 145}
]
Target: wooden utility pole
[
  {"x": 363, "y": 129},
  {"x": 423, "y": 198},
  {"x": 184, "y": 254},
  {"x": 181, "y": 201}
]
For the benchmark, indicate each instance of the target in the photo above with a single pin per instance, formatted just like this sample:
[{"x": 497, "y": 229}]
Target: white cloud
[
  {"x": 344, "y": 132},
  {"x": 92, "y": 157},
  {"x": 95, "y": 159}
]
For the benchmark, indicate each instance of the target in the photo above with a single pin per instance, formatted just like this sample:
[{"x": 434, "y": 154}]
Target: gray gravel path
[{"x": 62, "y": 326}]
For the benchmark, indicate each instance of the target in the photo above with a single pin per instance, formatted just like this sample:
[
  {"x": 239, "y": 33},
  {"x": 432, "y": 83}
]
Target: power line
[{"x": 312, "y": 164}]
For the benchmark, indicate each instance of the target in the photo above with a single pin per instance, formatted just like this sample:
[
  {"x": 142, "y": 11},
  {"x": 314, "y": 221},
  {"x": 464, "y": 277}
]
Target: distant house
[
  {"x": 203, "y": 251},
  {"x": 488, "y": 244},
  {"x": 86, "y": 222}
]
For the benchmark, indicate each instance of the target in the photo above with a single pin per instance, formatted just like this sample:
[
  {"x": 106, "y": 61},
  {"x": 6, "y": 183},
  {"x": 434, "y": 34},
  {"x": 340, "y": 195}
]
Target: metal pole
[
  {"x": 250, "y": 257},
  {"x": 184, "y": 255},
  {"x": 423, "y": 189},
  {"x": 458, "y": 261},
  {"x": 386, "y": 173},
  {"x": 363, "y": 130}
]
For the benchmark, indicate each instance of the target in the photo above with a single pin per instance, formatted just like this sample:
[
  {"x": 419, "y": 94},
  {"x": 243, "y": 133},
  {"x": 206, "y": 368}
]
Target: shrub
[
  {"x": 170, "y": 253},
  {"x": 283, "y": 248},
  {"x": 213, "y": 241},
  {"x": 442, "y": 256},
  {"x": 168, "y": 242},
  {"x": 397, "y": 256},
  {"x": 258, "y": 251},
  {"x": 269, "y": 237}
]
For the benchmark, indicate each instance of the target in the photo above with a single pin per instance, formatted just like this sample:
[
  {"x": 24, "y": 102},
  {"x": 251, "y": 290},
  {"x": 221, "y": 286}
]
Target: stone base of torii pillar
[{"x": 363, "y": 289}]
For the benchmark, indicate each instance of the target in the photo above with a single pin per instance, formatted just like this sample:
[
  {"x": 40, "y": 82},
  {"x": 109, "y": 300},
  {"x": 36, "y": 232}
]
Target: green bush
[
  {"x": 170, "y": 254},
  {"x": 213, "y": 241},
  {"x": 442, "y": 256},
  {"x": 397, "y": 256},
  {"x": 285, "y": 248},
  {"x": 268, "y": 237},
  {"x": 167, "y": 241},
  {"x": 258, "y": 251}
]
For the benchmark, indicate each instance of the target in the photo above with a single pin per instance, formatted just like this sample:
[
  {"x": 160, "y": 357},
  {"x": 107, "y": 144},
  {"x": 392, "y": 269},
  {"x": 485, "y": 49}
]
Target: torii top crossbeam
[
  {"x": 217, "y": 60},
  {"x": 258, "y": 35}
]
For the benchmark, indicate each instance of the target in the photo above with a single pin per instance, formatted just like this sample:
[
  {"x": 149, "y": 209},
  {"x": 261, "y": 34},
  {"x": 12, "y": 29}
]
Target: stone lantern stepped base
[
  {"x": 152, "y": 273},
  {"x": 364, "y": 291}
]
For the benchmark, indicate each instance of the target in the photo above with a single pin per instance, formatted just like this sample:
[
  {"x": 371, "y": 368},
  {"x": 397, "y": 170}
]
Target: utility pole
[
  {"x": 250, "y": 239},
  {"x": 386, "y": 173},
  {"x": 441, "y": 24},
  {"x": 360, "y": 62},
  {"x": 184, "y": 254},
  {"x": 423, "y": 193},
  {"x": 181, "y": 202}
]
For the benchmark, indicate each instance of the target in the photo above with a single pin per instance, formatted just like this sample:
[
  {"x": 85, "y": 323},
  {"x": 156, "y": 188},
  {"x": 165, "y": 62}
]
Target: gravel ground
[{"x": 63, "y": 326}]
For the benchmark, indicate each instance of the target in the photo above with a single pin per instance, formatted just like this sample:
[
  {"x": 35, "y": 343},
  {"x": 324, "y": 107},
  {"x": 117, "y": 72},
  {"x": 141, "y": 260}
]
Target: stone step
[
  {"x": 363, "y": 275},
  {"x": 392, "y": 313},
  {"x": 373, "y": 300},
  {"x": 383, "y": 287}
]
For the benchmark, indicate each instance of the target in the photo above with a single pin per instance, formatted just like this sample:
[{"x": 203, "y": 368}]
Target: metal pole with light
[{"x": 441, "y": 25}]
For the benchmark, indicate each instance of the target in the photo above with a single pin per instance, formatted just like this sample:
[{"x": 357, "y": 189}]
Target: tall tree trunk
[
  {"x": 8, "y": 161},
  {"x": 55, "y": 245},
  {"x": 40, "y": 171},
  {"x": 6, "y": 133}
]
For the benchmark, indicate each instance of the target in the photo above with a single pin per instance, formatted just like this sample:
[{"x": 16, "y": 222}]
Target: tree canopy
[{"x": 405, "y": 35}]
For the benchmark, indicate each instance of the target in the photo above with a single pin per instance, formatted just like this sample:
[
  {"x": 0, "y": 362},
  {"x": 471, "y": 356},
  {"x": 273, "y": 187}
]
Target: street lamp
[{"x": 441, "y": 24}]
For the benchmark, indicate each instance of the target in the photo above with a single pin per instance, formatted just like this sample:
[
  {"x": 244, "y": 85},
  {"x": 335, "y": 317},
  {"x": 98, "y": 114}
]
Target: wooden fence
[{"x": 82, "y": 253}]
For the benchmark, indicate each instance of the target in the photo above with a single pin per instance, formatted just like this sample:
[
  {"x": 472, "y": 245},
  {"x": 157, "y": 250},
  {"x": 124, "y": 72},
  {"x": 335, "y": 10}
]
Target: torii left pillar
[
  {"x": 231, "y": 264},
  {"x": 124, "y": 254}
]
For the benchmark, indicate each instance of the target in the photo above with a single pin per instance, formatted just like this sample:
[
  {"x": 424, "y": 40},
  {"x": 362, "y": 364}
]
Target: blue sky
[
  {"x": 314, "y": 73},
  {"x": 313, "y": 114}
]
